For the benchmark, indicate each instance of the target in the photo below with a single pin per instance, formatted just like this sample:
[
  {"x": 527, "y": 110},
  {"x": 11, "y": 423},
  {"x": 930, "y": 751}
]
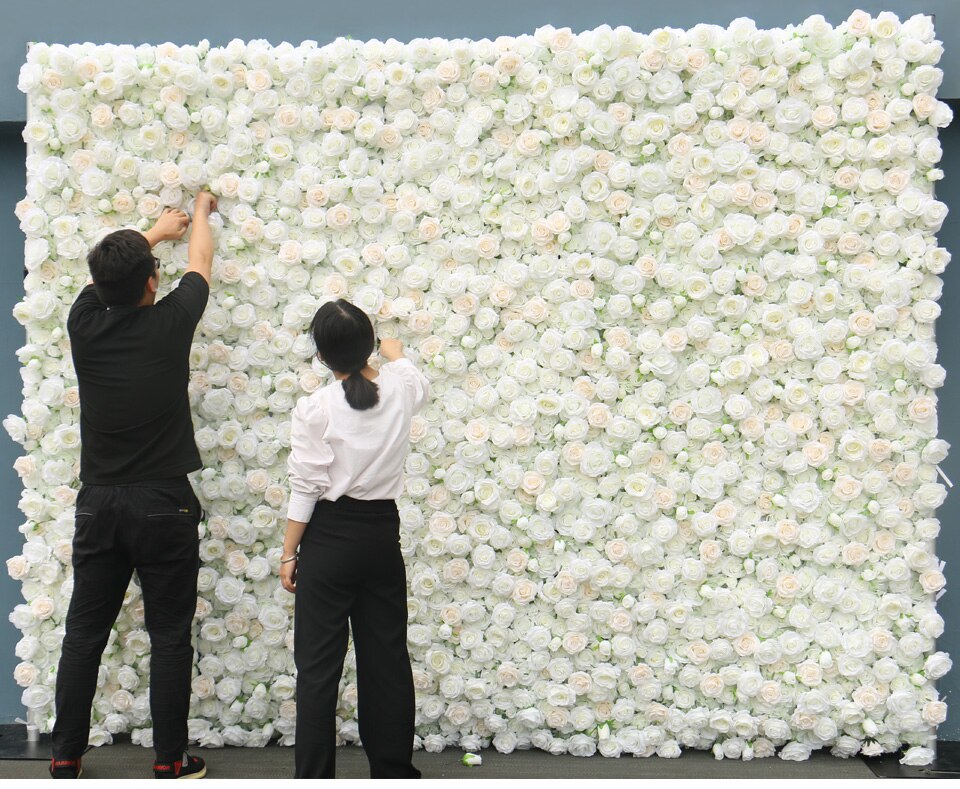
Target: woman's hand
[
  {"x": 288, "y": 576},
  {"x": 291, "y": 549},
  {"x": 391, "y": 349}
]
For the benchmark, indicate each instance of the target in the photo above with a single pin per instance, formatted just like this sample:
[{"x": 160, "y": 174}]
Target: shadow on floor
[{"x": 124, "y": 760}]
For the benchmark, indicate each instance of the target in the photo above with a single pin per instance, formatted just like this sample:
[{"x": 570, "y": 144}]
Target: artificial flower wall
[{"x": 676, "y": 294}]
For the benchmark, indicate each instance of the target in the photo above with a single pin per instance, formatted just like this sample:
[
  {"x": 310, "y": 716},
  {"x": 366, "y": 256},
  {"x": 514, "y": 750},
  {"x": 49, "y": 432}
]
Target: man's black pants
[
  {"x": 351, "y": 567},
  {"x": 150, "y": 527}
]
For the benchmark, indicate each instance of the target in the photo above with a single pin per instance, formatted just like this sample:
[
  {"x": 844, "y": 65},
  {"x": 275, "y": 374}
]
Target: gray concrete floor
[{"x": 130, "y": 761}]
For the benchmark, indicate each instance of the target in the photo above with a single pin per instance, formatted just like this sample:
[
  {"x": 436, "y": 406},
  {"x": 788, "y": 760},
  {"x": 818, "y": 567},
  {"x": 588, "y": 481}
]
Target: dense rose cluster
[{"x": 676, "y": 294}]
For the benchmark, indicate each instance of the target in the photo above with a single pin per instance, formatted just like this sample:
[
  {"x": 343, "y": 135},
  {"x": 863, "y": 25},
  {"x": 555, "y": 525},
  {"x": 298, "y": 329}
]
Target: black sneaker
[
  {"x": 65, "y": 768},
  {"x": 188, "y": 767}
]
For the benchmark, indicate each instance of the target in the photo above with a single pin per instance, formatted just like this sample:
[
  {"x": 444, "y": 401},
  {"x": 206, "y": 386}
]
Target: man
[{"x": 136, "y": 509}]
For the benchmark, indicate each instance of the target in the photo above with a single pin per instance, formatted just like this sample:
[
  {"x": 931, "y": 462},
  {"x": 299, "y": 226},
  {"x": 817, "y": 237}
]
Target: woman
[{"x": 341, "y": 552}]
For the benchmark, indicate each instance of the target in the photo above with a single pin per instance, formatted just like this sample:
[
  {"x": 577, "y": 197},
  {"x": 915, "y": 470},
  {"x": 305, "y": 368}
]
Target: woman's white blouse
[{"x": 337, "y": 451}]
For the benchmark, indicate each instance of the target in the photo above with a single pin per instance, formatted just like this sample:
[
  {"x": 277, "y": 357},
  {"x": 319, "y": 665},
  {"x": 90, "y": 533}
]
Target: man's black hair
[{"x": 120, "y": 266}]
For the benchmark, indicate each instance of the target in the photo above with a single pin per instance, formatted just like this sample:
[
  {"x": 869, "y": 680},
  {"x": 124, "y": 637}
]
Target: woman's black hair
[{"x": 345, "y": 339}]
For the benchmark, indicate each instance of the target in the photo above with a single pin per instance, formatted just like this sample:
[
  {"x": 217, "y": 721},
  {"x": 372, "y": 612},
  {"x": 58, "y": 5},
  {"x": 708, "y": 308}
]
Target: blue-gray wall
[
  {"x": 12, "y": 180},
  {"x": 948, "y": 330},
  {"x": 185, "y": 22}
]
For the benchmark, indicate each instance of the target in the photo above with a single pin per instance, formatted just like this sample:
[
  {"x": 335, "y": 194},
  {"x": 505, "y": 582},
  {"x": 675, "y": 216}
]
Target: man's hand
[
  {"x": 171, "y": 226},
  {"x": 205, "y": 203},
  {"x": 391, "y": 350}
]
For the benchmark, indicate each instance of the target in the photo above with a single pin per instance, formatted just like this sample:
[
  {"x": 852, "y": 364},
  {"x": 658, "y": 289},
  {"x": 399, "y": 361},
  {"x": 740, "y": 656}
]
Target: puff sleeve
[
  {"x": 309, "y": 461},
  {"x": 416, "y": 387}
]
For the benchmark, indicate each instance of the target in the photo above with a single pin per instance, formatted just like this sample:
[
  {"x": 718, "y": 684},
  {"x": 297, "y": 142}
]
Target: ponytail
[{"x": 361, "y": 392}]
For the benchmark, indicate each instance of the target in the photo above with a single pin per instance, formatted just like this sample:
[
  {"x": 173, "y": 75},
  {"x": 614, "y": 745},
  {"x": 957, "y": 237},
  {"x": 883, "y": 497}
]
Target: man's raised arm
[{"x": 200, "y": 251}]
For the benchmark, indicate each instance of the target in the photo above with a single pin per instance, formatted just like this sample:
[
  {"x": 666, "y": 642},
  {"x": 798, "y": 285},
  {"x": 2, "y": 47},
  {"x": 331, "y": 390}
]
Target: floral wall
[{"x": 676, "y": 294}]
